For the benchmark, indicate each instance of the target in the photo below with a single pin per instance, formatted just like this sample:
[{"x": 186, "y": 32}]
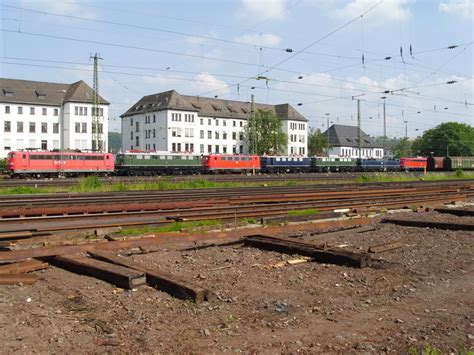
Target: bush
[
  {"x": 460, "y": 174},
  {"x": 90, "y": 183},
  {"x": 3, "y": 164}
]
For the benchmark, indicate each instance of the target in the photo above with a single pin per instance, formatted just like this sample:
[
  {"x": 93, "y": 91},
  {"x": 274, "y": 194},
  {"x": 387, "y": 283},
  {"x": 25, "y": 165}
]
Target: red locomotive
[
  {"x": 51, "y": 164},
  {"x": 413, "y": 163},
  {"x": 231, "y": 163}
]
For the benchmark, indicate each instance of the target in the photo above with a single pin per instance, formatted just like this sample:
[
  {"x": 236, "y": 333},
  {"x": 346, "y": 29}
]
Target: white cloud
[
  {"x": 461, "y": 8},
  {"x": 387, "y": 11},
  {"x": 70, "y": 7},
  {"x": 207, "y": 82},
  {"x": 264, "y": 9},
  {"x": 265, "y": 39}
]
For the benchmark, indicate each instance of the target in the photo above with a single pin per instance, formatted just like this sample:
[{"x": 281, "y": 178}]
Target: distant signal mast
[{"x": 96, "y": 131}]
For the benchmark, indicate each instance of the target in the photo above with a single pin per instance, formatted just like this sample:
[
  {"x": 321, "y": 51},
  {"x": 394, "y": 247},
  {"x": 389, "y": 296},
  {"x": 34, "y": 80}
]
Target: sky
[{"x": 321, "y": 57}]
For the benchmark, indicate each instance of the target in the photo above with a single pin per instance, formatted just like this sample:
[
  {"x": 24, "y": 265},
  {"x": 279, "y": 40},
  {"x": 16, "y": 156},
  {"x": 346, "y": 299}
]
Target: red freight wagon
[
  {"x": 435, "y": 163},
  {"x": 413, "y": 163},
  {"x": 49, "y": 164},
  {"x": 231, "y": 163}
]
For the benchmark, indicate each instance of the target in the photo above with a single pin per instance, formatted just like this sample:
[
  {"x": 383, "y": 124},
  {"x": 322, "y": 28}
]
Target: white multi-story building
[
  {"x": 344, "y": 142},
  {"x": 172, "y": 122},
  {"x": 30, "y": 116}
]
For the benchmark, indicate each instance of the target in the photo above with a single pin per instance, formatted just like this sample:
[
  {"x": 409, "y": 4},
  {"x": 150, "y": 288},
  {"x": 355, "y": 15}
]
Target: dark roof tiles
[
  {"x": 209, "y": 107},
  {"x": 43, "y": 93},
  {"x": 347, "y": 136}
]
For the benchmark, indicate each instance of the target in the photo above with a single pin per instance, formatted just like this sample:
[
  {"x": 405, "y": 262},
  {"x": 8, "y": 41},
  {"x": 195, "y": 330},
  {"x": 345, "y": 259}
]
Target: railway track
[{"x": 157, "y": 208}]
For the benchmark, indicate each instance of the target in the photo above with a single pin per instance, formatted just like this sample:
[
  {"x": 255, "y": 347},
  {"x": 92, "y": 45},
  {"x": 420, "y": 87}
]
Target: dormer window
[
  {"x": 216, "y": 108},
  {"x": 8, "y": 92},
  {"x": 40, "y": 94}
]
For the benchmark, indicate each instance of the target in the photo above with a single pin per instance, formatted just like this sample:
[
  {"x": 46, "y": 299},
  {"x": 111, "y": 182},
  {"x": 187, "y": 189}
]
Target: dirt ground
[{"x": 423, "y": 297}]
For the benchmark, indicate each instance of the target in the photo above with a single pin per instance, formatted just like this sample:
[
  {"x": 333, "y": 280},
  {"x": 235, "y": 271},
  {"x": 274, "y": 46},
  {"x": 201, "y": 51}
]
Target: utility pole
[
  {"x": 252, "y": 109},
  {"x": 327, "y": 133},
  {"x": 61, "y": 135},
  {"x": 406, "y": 130},
  {"x": 96, "y": 141},
  {"x": 358, "y": 128},
  {"x": 384, "y": 127}
]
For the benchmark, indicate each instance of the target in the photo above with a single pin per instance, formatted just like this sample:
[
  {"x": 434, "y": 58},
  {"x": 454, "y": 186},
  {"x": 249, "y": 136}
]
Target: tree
[
  {"x": 115, "y": 142},
  {"x": 317, "y": 143},
  {"x": 402, "y": 149},
  {"x": 450, "y": 138},
  {"x": 264, "y": 134}
]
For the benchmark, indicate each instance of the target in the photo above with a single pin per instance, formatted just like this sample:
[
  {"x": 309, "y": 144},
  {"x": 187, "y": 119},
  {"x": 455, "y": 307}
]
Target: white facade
[
  {"x": 33, "y": 126},
  {"x": 297, "y": 132},
  {"x": 186, "y": 131},
  {"x": 352, "y": 152}
]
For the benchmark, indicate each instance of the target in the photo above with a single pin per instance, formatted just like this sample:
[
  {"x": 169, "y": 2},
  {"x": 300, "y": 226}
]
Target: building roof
[
  {"x": 43, "y": 93},
  {"x": 172, "y": 100},
  {"x": 348, "y": 136}
]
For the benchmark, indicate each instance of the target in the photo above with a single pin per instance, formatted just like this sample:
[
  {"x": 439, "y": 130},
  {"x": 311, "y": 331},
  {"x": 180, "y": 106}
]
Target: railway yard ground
[{"x": 389, "y": 271}]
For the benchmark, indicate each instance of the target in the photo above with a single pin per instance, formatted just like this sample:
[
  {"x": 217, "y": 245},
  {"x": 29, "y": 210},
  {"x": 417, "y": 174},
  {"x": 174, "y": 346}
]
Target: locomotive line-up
[{"x": 26, "y": 164}]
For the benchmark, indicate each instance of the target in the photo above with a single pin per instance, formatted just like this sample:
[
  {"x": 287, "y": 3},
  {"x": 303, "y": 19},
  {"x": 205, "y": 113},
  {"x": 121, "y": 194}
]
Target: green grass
[
  {"x": 460, "y": 174},
  {"x": 172, "y": 227},
  {"x": 307, "y": 212},
  {"x": 95, "y": 184}
]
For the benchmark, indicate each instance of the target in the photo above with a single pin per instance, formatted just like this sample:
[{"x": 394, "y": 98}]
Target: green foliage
[
  {"x": 89, "y": 183},
  {"x": 402, "y": 149},
  {"x": 460, "y": 174},
  {"x": 115, "y": 142},
  {"x": 264, "y": 134},
  {"x": 23, "y": 190},
  {"x": 3, "y": 164},
  {"x": 317, "y": 143},
  {"x": 450, "y": 138},
  {"x": 171, "y": 227},
  {"x": 306, "y": 212}
]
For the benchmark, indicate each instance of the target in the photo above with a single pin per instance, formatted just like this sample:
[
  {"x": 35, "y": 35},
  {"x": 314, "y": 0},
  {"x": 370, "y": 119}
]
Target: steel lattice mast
[{"x": 96, "y": 132}]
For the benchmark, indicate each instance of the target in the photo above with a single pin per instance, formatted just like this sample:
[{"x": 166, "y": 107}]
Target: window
[
  {"x": 32, "y": 110},
  {"x": 241, "y": 136},
  {"x": 77, "y": 127},
  {"x": 137, "y": 141},
  {"x": 137, "y": 127},
  {"x": 217, "y": 135},
  {"x": 209, "y": 121},
  {"x": 84, "y": 127},
  {"x": 154, "y": 133},
  {"x": 224, "y": 135},
  {"x": 7, "y": 144},
  {"x": 7, "y": 109},
  {"x": 217, "y": 148},
  {"x": 241, "y": 123},
  {"x": 234, "y": 135},
  {"x": 201, "y": 148},
  {"x": 224, "y": 149},
  {"x": 173, "y": 147},
  {"x": 7, "y": 126},
  {"x": 131, "y": 136},
  {"x": 131, "y": 122},
  {"x": 32, "y": 128},
  {"x": 44, "y": 128},
  {"x": 56, "y": 112},
  {"x": 55, "y": 127},
  {"x": 44, "y": 145},
  {"x": 44, "y": 111},
  {"x": 217, "y": 122},
  {"x": 201, "y": 133},
  {"x": 20, "y": 110},
  {"x": 154, "y": 120},
  {"x": 209, "y": 148},
  {"x": 209, "y": 134},
  {"x": 224, "y": 123},
  {"x": 19, "y": 127},
  {"x": 234, "y": 124}
]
